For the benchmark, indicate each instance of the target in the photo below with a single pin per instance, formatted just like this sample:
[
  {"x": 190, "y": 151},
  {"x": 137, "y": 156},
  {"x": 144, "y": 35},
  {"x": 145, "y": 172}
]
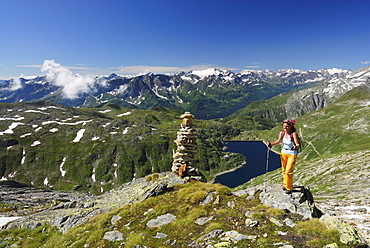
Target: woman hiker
[{"x": 289, "y": 153}]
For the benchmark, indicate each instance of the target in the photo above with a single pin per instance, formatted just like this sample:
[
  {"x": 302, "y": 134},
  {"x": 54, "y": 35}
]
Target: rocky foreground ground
[
  {"x": 355, "y": 213},
  {"x": 65, "y": 209},
  {"x": 38, "y": 206}
]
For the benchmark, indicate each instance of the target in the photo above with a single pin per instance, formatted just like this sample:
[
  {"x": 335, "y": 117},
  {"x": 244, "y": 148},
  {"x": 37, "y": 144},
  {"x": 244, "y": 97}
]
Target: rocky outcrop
[
  {"x": 113, "y": 236},
  {"x": 354, "y": 212},
  {"x": 301, "y": 202},
  {"x": 298, "y": 103},
  {"x": 79, "y": 210},
  {"x": 24, "y": 200},
  {"x": 348, "y": 233},
  {"x": 161, "y": 220},
  {"x": 76, "y": 210},
  {"x": 220, "y": 238},
  {"x": 309, "y": 100},
  {"x": 344, "y": 195}
]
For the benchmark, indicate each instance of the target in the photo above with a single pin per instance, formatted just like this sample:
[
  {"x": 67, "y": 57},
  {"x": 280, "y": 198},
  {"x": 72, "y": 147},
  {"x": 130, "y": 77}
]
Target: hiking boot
[{"x": 288, "y": 192}]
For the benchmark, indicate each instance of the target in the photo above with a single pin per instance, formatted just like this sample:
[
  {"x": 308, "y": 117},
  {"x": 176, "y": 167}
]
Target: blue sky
[{"x": 166, "y": 36}]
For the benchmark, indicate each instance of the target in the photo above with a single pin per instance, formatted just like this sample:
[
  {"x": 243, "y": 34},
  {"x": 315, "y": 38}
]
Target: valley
[{"x": 95, "y": 150}]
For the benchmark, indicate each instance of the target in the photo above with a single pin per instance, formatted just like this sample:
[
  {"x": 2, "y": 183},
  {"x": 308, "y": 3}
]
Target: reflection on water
[{"x": 256, "y": 154}]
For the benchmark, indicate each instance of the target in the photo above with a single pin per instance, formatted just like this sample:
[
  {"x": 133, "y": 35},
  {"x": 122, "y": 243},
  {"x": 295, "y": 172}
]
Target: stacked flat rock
[{"x": 183, "y": 159}]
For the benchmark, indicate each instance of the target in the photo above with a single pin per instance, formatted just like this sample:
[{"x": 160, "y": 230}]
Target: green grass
[
  {"x": 152, "y": 132},
  {"x": 145, "y": 149},
  {"x": 338, "y": 134},
  {"x": 317, "y": 233},
  {"x": 184, "y": 230}
]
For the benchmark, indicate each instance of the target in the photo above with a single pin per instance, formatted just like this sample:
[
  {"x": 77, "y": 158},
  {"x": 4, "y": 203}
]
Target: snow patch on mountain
[
  {"x": 66, "y": 123},
  {"x": 36, "y": 143},
  {"x": 11, "y": 127},
  {"x": 46, "y": 181},
  {"x": 209, "y": 72},
  {"x": 105, "y": 111},
  {"x": 335, "y": 71},
  {"x": 106, "y": 124},
  {"x": 127, "y": 113},
  {"x": 23, "y": 156},
  {"x": 125, "y": 131},
  {"x": 155, "y": 90},
  {"x": 63, "y": 172},
  {"x": 93, "y": 175},
  {"x": 51, "y": 107},
  {"x": 15, "y": 118},
  {"x": 79, "y": 135}
]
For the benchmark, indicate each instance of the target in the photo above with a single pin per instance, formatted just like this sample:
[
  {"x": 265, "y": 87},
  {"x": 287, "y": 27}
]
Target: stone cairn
[{"x": 183, "y": 160}]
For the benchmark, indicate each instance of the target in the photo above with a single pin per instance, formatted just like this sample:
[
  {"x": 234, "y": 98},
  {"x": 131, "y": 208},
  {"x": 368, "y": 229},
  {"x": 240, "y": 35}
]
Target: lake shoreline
[
  {"x": 255, "y": 164},
  {"x": 228, "y": 171}
]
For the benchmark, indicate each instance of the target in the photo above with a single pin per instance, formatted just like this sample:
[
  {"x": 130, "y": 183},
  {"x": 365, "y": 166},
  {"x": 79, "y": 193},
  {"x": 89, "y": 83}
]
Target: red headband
[{"x": 290, "y": 122}]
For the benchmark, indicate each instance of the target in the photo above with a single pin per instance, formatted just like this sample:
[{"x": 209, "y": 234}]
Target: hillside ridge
[{"x": 155, "y": 206}]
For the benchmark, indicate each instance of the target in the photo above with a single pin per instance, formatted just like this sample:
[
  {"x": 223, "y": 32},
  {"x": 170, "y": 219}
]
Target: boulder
[
  {"x": 161, "y": 220},
  {"x": 203, "y": 220},
  {"x": 204, "y": 240},
  {"x": 224, "y": 239},
  {"x": 235, "y": 236},
  {"x": 348, "y": 233},
  {"x": 21, "y": 223},
  {"x": 115, "y": 219},
  {"x": 300, "y": 201},
  {"x": 72, "y": 221},
  {"x": 113, "y": 236},
  {"x": 160, "y": 235}
]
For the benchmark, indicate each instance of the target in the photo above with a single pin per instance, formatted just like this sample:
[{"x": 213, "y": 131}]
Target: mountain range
[
  {"x": 208, "y": 94},
  {"x": 111, "y": 144}
]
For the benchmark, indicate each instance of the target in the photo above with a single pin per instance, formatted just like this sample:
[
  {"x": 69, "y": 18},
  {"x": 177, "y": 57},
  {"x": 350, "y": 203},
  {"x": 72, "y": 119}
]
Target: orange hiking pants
[{"x": 287, "y": 164}]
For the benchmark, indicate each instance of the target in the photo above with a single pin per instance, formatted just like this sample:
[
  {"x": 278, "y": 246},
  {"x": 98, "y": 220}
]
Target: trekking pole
[
  {"x": 267, "y": 157},
  {"x": 267, "y": 165}
]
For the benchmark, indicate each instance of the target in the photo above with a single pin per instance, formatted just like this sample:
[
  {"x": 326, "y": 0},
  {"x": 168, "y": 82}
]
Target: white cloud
[
  {"x": 252, "y": 66},
  {"x": 79, "y": 67},
  {"x": 16, "y": 84},
  {"x": 365, "y": 62},
  {"x": 29, "y": 66},
  {"x": 122, "y": 88},
  {"x": 73, "y": 84}
]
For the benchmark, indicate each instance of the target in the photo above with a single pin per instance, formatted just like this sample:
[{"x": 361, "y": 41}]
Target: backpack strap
[{"x": 282, "y": 133}]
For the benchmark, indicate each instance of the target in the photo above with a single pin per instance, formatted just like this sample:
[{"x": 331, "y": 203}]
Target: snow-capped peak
[
  {"x": 209, "y": 72},
  {"x": 249, "y": 71},
  {"x": 333, "y": 71}
]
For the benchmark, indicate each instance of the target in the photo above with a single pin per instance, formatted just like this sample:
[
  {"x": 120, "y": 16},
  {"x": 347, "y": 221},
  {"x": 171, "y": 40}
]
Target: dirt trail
[{"x": 308, "y": 142}]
